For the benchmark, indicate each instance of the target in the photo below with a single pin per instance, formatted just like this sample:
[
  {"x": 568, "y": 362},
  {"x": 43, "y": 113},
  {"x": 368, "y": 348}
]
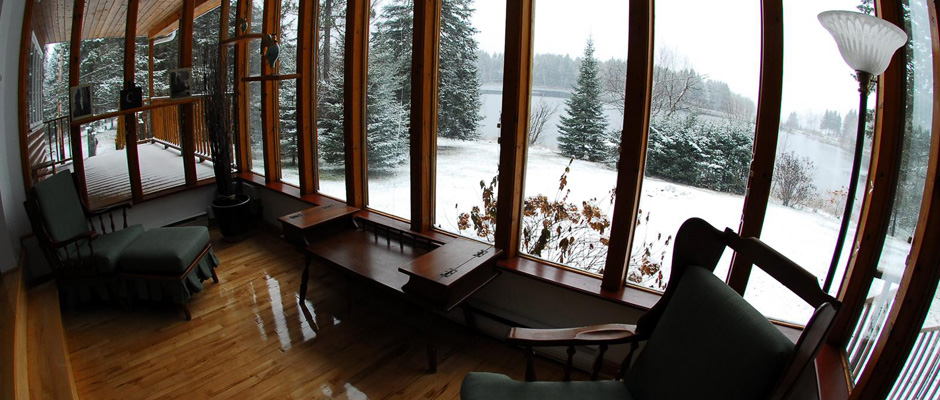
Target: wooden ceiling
[{"x": 52, "y": 19}]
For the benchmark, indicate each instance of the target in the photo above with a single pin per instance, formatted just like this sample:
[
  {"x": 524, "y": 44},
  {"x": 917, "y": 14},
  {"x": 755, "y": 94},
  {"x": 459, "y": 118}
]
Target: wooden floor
[
  {"x": 251, "y": 339},
  {"x": 160, "y": 168}
]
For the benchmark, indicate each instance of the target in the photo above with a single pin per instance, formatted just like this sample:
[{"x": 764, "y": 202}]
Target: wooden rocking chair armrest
[
  {"x": 99, "y": 211},
  {"x": 586, "y": 335},
  {"x": 87, "y": 235}
]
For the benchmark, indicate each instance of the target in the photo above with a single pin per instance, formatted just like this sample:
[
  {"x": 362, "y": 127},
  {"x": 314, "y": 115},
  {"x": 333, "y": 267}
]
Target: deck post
[
  {"x": 187, "y": 119},
  {"x": 130, "y": 120}
]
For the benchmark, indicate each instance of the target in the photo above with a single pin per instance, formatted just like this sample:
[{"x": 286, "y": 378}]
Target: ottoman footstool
[{"x": 168, "y": 263}]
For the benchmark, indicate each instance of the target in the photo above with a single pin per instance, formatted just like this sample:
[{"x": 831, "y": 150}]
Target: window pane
[
  {"x": 815, "y": 147},
  {"x": 287, "y": 93},
  {"x": 570, "y": 170},
  {"x": 330, "y": 146},
  {"x": 287, "y": 131},
  {"x": 389, "y": 102},
  {"x": 468, "y": 106},
  {"x": 255, "y": 138},
  {"x": 103, "y": 141},
  {"x": 701, "y": 134},
  {"x": 910, "y": 191}
]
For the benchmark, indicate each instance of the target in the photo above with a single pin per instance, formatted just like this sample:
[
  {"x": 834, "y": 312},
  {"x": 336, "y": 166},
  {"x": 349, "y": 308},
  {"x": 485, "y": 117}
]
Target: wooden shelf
[
  {"x": 270, "y": 78},
  {"x": 241, "y": 38},
  {"x": 93, "y": 118}
]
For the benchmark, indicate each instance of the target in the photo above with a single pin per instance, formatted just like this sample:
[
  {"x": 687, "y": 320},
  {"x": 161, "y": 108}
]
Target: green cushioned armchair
[
  {"x": 82, "y": 247},
  {"x": 702, "y": 339}
]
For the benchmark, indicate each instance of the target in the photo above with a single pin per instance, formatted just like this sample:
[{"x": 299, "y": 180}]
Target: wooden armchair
[
  {"x": 83, "y": 259},
  {"x": 703, "y": 341}
]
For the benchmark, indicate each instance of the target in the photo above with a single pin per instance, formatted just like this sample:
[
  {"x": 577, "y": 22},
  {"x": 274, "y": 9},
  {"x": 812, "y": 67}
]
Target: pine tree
[
  {"x": 392, "y": 43},
  {"x": 582, "y": 133},
  {"x": 386, "y": 119},
  {"x": 459, "y": 100},
  {"x": 330, "y": 135}
]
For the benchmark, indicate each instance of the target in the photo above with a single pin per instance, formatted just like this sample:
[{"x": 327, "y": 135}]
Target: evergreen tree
[
  {"x": 330, "y": 135},
  {"x": 459, "y": 100},
  {"x": 392, "y": 42},
  {"x": 582, "y": 133},
  {"x": 386, "y": 119}
]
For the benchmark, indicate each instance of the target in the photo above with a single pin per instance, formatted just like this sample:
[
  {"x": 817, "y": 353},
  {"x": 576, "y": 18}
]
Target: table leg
[
  {"x": 303, "y": 280},
  {"x": 468, "y": 317},
  {"x": 429, "y": 332}
]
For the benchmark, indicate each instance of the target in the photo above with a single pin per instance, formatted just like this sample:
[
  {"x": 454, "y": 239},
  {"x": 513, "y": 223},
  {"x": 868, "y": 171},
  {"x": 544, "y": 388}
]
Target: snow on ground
[{"x": 806, "y": 236}]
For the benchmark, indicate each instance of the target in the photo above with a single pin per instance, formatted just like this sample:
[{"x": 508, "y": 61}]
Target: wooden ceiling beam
[{"x": 170, "y": 22}]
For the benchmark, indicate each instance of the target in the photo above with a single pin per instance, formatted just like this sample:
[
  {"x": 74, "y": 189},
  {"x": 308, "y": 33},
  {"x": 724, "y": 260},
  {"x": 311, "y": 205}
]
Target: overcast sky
[{"x": 720, "y": 39}]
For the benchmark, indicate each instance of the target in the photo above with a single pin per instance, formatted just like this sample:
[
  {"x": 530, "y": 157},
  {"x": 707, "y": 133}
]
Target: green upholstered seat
[
  {"x": 720, "y": 346},
  {"x": 109, "y": 247},
  {"x": 60, "y": 206},
  {"x": 164, "y": 251},
  {"x": 489, "y": 386}
]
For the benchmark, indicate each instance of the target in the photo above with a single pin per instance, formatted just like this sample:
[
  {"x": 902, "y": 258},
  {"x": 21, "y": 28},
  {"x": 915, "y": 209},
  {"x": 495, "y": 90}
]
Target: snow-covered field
[{"x": 806, "y": 236}]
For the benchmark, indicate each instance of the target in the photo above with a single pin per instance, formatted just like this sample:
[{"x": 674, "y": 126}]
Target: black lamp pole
[{"x": 864, "y": 86}]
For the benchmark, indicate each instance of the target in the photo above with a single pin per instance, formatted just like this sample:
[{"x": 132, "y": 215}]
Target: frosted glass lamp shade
[{"x": 866, "y": 42}]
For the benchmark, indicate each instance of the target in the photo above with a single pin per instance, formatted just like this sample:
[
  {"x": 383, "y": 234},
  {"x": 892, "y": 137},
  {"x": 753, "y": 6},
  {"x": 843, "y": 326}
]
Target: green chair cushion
[
  {"x": 107, "y": 248},
  {"x": 165, "y": 251},
  {"x": 490, "y": 386},
  {"x": 61, "y": 208},
  {"x": 709, "y": 344}
]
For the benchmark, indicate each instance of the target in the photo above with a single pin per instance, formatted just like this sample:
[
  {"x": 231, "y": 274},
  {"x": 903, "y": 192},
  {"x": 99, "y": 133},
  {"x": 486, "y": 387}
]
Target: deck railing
[
  {"x": 165, "y": 123},
  {"x": 920, "y": 377},
  {"x": 49, "y": 147}
]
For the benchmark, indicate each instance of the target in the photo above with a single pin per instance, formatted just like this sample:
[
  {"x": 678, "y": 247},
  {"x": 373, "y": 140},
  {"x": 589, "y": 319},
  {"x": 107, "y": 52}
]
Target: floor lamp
[{"x": 867, "y": 44}]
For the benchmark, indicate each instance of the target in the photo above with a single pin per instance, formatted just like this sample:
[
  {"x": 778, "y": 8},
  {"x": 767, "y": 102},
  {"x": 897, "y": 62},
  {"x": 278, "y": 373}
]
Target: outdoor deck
[{"x": 160, "y": 168}]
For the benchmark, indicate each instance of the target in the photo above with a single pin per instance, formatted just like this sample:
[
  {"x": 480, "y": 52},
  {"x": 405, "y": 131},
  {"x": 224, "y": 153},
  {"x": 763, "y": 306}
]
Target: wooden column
[
  {"x": 514, "y": 122},
  {"x": 22, "y": 85},
  {"x": 242, "y": 106},
  {"x": 765, "y": 138},
  {"x": 307, "y": 30},
  {"x": 75, "y": 58},
  {"x": 880, "y": 189},
  {"x": 354, "y": 96},
  {"x": 919, "y": 283},
  {"x": 130, "y": 120},
  {"x": 269, "y": 100},
  {"x": 632, "y": 142},
  {"x": 424, "y": 112},
  {"x": 187, "y": 119}
]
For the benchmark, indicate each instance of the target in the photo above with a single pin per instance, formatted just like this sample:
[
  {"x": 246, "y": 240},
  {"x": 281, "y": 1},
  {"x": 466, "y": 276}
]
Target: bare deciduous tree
[
  {"x": 675, "y": 84},
  {"x": 793, "y": 179},
  {"x": 538, "y": 118}
]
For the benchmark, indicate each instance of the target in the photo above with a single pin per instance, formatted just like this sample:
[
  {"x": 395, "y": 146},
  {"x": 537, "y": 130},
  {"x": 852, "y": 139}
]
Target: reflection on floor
[
  {"x": 250, "y": 338},
  {"x": 160, "y": 168}
]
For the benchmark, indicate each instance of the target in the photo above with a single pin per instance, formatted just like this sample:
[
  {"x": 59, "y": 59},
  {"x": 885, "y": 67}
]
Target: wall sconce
[{"x": 270, "y": 49}]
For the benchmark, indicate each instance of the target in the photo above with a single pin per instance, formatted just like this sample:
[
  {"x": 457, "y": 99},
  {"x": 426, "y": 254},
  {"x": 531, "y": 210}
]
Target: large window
[
  {"x": 330, "y": 79},
  {"x": 814, "y": 158},
  {"x": 470, "y": 95},
  {"x": 915, "y": 152},
  {"x": 570, "y": 167},
  {"x": 701, "y": 135},
  {"x": 389, "y": 104}
]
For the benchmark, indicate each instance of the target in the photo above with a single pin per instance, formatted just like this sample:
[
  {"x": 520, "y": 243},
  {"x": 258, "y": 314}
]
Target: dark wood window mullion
[
  {"x": 269, "y": 99},
  {"x": 75, "y": 59},
  {"x": 633, "y": 139},
  {"x": 513, "y": 138},
  {"x": 919, "y": 283},
  {"x": 307, "y": 31},
  {"x": 765, "y": 136},
  {"x": 23, "y": 113},
  {"x": 242, "y": 114},
  {"x": 423, "y": 132},
  {"x": 130, "y": 120},
  {"x": 187, "y": 119},
  {"x": 354, "y": 97}
]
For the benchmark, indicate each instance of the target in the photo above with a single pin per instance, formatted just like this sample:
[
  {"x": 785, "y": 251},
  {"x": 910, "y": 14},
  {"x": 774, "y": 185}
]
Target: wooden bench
[{"x": 434, "y": 275}]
